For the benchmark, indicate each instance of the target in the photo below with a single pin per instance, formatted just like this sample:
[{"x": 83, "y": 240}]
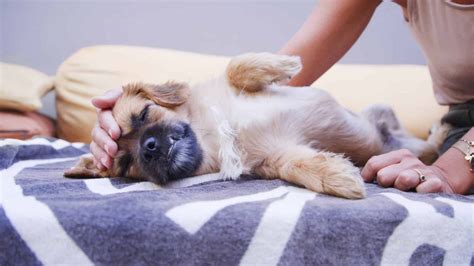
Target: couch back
[{"x": 93, "y": 70}]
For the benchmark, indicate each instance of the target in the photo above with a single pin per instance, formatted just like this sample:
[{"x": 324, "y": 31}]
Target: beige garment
[{"x": 445, "y": 31}]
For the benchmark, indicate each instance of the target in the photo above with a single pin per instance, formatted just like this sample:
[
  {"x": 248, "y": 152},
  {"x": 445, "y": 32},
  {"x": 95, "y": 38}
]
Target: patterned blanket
[{"x": 48, "y": 219}]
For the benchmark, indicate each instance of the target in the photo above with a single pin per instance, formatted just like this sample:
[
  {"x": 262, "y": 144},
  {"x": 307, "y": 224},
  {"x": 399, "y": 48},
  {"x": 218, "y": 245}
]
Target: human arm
[
  {"x": 326, "y": 35},
  {"x": 450, "y": 173},
  {"x": 106, "y": 130}
]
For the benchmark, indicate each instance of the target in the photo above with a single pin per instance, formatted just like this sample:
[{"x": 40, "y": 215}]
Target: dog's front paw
[
  {"x": 339, "y": 177},
  {"x": 254, "y": 71},
  {"x": 346, "y": 184},
  {"x": 326, "y": 173}
]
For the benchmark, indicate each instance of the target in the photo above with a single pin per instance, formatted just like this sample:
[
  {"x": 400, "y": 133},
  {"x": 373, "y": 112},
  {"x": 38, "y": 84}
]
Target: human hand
[
  {"x": 106, "y": 130},
  {"x": 404, "y": 171}
]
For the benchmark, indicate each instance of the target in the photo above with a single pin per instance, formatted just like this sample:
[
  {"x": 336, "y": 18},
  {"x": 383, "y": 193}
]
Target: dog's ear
[
  {"x": 170, "y": 94},
  {"x": 85, "y": 168}
]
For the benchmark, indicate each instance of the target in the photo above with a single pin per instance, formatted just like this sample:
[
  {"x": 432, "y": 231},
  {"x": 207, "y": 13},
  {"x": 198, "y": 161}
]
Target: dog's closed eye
[
  {"x": 139, "y": 120},
  {"x": 144, "y": 114}
]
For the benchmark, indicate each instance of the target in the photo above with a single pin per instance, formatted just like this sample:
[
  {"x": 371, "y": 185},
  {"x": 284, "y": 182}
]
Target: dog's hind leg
[
  {"x": 395, "y": 137},
  {"x": 323, "y": 172},
  {"x": 252, "y": 72}
]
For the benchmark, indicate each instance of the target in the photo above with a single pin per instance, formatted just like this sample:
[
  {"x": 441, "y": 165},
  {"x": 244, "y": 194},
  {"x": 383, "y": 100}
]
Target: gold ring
[{"x": 421, "y": 176}]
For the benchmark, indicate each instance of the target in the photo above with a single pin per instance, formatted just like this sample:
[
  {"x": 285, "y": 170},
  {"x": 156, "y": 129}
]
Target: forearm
[
  {"x": 456, "y": 169},
  {"x": 327, "y": 34}
]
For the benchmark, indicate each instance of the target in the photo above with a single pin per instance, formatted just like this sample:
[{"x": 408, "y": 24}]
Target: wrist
[{"x": 459, "y": 178}]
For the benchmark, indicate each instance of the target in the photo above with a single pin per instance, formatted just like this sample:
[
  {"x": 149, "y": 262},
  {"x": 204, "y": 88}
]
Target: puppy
[{"x": 244, "y": 122}]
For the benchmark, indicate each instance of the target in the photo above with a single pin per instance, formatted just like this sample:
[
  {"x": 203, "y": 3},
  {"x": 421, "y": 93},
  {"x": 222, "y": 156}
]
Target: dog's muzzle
[
  {"x": 152, "y": 148},
  {"x": 169, "y": 151}
]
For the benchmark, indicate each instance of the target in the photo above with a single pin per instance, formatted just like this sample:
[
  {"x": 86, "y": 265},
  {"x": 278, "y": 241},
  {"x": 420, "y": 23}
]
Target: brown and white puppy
[{"x": 242, "y": 122}]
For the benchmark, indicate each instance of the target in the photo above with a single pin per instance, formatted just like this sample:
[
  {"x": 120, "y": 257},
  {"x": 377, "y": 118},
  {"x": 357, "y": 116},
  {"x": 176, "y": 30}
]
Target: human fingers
[
  {"x": 103, "y": 140},
  {"x": 432, "y": 185},
  {"x": 376, "y": 163},
  {"x": 108, "y": 124},
  {"x": 408, "y": 179},
  {"x": 95, "y": 160},
  {"x": 101, "y": 156},
  {"x": 386, "y": 176},
  {"x": 107, "y": 100}
]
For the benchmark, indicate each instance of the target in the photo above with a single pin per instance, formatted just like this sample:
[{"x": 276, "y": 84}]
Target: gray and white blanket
[{"x": 48, "y": 219}]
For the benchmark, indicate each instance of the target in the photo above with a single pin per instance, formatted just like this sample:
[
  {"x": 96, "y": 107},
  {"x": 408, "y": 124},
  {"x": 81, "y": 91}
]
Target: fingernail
[
  {"x": 105, "y": 162},
  {"x": 110, "y": 132},
  {"x": 106, "y": 148}
]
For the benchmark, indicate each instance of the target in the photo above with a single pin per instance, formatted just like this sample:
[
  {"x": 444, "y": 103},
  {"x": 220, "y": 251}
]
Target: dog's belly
[
  {"x": 305, "y": 116},
  {"x": 277, "y": 100}
]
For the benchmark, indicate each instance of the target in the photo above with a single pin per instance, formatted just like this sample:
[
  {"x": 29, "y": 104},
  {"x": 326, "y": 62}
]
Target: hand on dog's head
[{"x": 157, "y": 142}]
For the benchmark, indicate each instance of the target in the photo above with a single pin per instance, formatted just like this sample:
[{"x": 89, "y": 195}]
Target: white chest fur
[{"x": 233, "y": 113}]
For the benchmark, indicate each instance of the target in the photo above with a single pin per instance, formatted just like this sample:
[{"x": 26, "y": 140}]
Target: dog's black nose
[{"x": 150, "y": 144}]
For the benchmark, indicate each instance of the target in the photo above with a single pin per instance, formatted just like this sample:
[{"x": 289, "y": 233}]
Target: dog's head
[{"x": 157, "y": 142}]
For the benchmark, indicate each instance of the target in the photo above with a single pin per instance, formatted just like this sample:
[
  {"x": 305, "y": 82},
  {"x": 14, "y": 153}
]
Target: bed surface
[{"x": 48, "y": 219}]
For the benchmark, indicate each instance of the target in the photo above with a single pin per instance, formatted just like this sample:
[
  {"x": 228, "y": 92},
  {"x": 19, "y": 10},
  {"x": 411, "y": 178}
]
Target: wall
[{"x": 42, "y": 34}]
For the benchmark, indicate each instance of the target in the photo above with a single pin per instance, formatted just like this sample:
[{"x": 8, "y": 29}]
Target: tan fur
[
  {"x": 438, "y": 134},
  {"x": 249, "y": 73},
  {"x": 324, "y": 172},
  {"x": 301, "y": 135},
  {"x": 85, "y": 168}
]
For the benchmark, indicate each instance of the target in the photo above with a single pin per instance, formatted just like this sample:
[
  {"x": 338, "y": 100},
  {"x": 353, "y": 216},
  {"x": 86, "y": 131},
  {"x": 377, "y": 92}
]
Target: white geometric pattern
[
  {"x": 37, "y": 225},
  {"x": 433, "y": 228},
  {"x": 273, "y": 231},
  {"x": 47, "y": 238}
]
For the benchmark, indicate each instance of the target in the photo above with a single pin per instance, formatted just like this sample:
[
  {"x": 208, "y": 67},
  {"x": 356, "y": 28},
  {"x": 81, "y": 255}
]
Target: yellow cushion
[
  {"x": 92, "y": 71},
  {"x": 407, "y": 88},
  {"x": 21, "y": 88}
]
